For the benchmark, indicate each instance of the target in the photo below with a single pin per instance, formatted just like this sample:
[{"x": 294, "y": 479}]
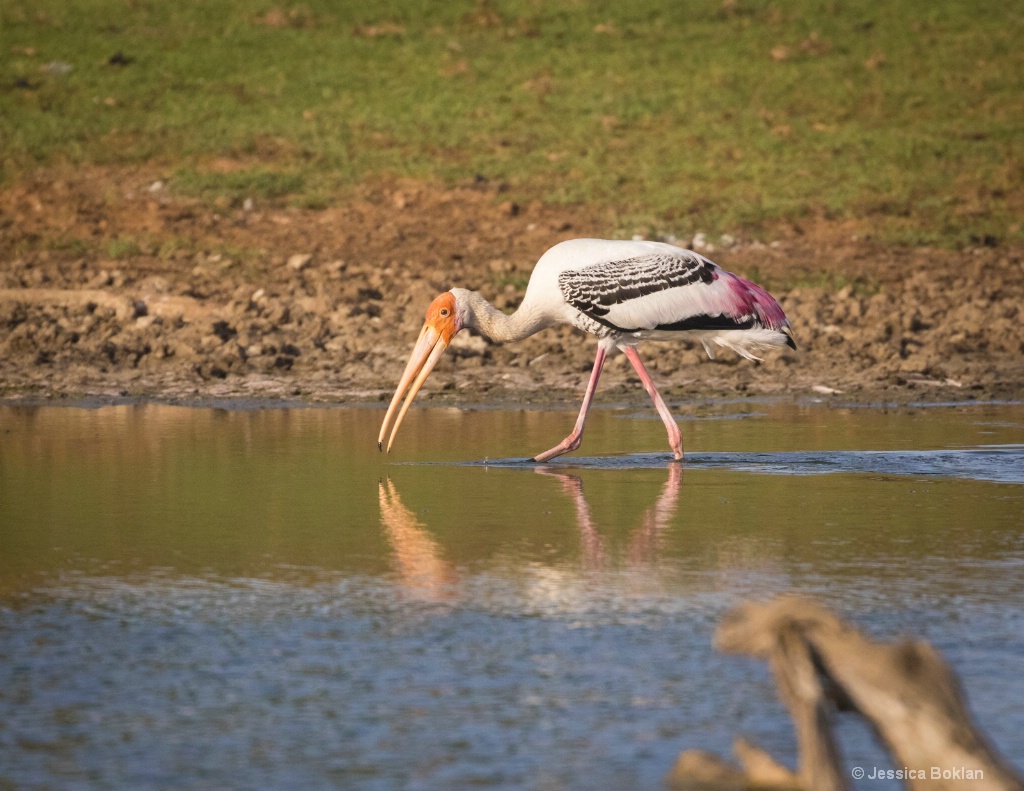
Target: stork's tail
[
  {"x": 770, "y": 327},
  {"x": 746, "y": 343}
]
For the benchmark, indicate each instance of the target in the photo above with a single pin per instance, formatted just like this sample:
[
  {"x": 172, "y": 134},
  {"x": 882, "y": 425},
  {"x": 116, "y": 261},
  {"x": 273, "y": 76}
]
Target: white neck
[{"x": 480, "y": 315}]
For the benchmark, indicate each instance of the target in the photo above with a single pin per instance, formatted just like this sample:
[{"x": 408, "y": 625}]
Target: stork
[{"x": 623, "y": 292}]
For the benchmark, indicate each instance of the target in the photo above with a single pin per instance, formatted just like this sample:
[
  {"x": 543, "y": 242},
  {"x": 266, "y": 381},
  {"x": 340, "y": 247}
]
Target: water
[{"x": 259, "y": 599}]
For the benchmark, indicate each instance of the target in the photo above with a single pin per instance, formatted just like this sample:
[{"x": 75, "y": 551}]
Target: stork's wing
[{"x": 669, "y": 291}]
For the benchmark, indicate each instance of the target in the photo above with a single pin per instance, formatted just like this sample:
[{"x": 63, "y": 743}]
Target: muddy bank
[{"x": 113, "y": 285}]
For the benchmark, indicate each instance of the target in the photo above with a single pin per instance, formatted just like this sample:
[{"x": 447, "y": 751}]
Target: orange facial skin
[
  {"x": 441, "y": 316},
  {"x": 440, "y": 327}
]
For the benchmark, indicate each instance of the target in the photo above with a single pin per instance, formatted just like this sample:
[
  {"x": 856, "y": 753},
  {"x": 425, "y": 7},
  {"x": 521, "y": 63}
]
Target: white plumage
[{"x": 648, "y": 316}]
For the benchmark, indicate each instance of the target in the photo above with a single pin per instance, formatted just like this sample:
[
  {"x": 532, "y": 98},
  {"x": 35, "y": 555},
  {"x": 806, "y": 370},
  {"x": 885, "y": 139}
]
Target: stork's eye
[{"x": 444, "y": 311}]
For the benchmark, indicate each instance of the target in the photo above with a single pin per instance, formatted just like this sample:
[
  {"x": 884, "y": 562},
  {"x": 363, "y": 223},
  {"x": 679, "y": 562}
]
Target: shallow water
[{"x": 259, "y": 599}]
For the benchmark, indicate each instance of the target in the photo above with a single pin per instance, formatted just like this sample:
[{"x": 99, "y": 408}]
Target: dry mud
[{"x": 113, "y": 286}]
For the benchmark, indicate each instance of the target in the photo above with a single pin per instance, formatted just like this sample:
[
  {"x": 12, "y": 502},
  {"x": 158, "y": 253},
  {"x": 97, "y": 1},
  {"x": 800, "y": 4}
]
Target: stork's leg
[
  {"x": 675, "y": 438},
  {"x": 572, "y": 442}
]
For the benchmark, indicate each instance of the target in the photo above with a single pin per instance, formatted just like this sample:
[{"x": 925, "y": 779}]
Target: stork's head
[{"x": 443, "y": 322}]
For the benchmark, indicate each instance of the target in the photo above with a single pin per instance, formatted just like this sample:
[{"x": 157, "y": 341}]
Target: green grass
[
  {"x": 676, "y": 116},
  {"x": 123, "y": 247}
]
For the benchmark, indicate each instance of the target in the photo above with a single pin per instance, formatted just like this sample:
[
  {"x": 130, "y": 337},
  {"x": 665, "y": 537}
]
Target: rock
[
  {"x": 466, "y": 345},
  {"x": 299, "y": 261},
  {"x": 224, "y": 331}
]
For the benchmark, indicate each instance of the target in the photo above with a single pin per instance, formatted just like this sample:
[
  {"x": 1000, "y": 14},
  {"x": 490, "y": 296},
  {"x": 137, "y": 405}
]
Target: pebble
[
  {"x": 299, "y": 261},
  {"x": 57, "y": 67},
  {"x": 468, "y": 345}
]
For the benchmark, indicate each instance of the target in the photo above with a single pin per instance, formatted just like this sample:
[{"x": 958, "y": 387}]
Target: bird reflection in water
[
  {"x": 423, "y": 572},
  {"x": 420, "y": 568},
  {"x": 644, "y": 540}
]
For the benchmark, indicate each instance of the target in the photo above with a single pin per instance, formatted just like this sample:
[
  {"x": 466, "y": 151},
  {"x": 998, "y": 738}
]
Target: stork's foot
[
  {"x": 567, "y": 445},
  {"x": 675, "y": 440}
]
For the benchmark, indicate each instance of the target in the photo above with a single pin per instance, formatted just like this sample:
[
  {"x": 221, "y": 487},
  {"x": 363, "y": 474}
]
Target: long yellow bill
[{"x": 428, "y": 350}]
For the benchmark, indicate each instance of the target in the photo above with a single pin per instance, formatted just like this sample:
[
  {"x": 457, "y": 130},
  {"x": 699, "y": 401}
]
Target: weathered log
[{"x": 904, "y": 690}]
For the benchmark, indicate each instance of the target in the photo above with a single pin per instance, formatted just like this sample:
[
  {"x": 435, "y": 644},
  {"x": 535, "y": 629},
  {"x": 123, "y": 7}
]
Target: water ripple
[{"x": 995, "y": 463}]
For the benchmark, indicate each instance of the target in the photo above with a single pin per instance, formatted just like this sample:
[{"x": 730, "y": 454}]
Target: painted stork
[{"x": 621, "y": 291}]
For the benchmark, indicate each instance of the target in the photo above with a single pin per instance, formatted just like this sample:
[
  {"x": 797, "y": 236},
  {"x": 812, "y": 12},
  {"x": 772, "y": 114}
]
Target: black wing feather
[{"x": 592, "y": 289}]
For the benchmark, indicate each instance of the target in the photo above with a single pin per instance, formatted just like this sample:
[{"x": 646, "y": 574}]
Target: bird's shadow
[
  {"x": 418, "y": 557},
  {"x": 644, "y": 539}
]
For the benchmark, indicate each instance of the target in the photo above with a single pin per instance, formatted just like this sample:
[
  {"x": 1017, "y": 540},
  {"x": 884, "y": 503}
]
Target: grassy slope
[{"x": 707, "y": 116}]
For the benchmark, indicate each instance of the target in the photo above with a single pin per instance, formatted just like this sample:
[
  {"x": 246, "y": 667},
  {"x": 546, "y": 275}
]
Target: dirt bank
[{"x": 111, "y": 284}]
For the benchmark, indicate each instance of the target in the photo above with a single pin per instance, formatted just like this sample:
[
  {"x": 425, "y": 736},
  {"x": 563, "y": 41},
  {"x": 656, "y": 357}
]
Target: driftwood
[{"x": 904, "y": 690}]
